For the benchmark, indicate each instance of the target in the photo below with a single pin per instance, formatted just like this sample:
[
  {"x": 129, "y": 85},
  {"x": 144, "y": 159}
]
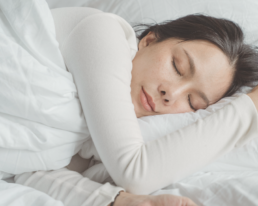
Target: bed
[{"x": 230, "y": 180}]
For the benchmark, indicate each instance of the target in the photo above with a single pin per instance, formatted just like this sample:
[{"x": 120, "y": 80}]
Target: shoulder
[
  {"x": 95, "y": 23},
  {"x": 103, "y": 25},
  {"x": 118, "y": 26}
]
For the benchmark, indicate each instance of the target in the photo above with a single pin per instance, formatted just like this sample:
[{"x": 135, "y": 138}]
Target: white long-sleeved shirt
[{"x": 98, "y": 49}]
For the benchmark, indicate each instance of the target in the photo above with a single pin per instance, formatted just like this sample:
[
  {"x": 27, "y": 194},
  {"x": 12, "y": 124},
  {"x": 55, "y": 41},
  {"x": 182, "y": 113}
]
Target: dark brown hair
[{"x": 225, "y": 34}]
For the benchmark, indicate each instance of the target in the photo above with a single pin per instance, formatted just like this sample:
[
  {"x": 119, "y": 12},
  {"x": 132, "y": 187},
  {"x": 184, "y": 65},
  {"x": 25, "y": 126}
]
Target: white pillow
[
  {"x": 145, "y": 11},
  {"x": 153, "y": 127}
]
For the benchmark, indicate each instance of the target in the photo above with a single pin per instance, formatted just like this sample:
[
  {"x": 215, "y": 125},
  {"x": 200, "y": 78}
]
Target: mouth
[{"x": 147, "y": 101}]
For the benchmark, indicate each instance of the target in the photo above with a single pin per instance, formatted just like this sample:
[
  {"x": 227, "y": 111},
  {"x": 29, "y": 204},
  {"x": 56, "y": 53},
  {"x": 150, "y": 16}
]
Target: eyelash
[
  {"x": 174, "y": 65},
  {"x": 190, "y": 103},
  {"x": 181, "y": 75}
]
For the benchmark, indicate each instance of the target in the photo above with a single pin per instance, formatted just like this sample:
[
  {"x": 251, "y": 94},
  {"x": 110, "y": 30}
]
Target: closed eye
[
  {"x": 174, "y": 65},
  {"x": 190, "y": 104}
]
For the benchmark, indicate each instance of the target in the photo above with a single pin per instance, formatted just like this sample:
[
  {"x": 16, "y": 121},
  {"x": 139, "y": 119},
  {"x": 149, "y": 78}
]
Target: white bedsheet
[
  {"x": 36, "y": 95},
  {"x": 42, "y": 124},
  {"x": 18, "y": 195}
]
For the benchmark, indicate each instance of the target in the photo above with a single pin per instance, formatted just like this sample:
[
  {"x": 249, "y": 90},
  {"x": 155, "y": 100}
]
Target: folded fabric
[
  {"x": 18, "y": 195},
  {"x": 42, "y": 123},
  {"x": 144, "y": 11}
]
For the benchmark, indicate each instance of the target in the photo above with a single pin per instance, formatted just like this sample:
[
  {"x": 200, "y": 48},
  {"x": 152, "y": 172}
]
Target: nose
[
  {"x": 164, "y": 93},
  {"x": 165, "y": 98},
  {"x": 170, "y": 94}
]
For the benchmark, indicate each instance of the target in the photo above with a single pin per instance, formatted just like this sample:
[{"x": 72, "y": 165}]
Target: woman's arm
[
  {"x": 254, "y": 96},
  {"x": 98, "y": 55}
]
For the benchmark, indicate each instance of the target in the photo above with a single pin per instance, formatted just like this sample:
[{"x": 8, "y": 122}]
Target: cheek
[
  {"x": 154, "y": 69},
  {"x": 162, "y": 70},
  {"x": 153, "y": 72},
  {"x": 158, "y": 76}
]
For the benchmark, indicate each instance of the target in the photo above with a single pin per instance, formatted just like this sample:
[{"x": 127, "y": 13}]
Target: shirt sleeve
[{"x": 98, "y": 55}]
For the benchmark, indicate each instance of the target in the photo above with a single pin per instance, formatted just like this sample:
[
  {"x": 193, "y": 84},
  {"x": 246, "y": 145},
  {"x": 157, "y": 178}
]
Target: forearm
[{"x": 254, "y": 97}]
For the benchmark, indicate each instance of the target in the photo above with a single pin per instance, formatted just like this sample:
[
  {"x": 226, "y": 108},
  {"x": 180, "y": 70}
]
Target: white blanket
[
  {"x": 42, "y": 123},
  {"x": 38, "y": 101}
]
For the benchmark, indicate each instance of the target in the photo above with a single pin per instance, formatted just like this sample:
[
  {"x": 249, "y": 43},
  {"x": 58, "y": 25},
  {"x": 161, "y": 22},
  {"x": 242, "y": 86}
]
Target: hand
[
  {"x": 127, "y": 199},
  {"x": 254, "y": 96},
  {"x": 78, "y": 164}
]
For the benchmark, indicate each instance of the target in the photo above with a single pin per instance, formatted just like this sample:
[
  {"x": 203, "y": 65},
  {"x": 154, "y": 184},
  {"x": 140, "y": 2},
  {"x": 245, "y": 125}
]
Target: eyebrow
[{"x": 192, "y": 70}]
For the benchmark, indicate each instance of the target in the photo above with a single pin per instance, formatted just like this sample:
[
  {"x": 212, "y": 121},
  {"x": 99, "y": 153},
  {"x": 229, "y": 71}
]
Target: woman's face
[{"x": 177, "y": 76}]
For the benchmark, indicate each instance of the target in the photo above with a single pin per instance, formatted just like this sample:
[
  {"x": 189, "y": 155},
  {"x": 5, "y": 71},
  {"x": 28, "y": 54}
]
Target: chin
[
  {"x": 144, "y": 115},
  {"x": 138, "y": 114}
]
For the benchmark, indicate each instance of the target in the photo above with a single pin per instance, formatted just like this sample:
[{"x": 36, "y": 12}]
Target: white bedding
[
  {"x": 42, "y": 124},
  {"x": 18, "y": 195},
  {"x": 232, "y": 179},
  {"x": 30, "y": 134},
  {"x": 243, "y": 12}
]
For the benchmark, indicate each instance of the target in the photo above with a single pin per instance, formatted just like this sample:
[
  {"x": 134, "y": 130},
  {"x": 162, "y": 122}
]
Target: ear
[{"x": 147, "y": 40}]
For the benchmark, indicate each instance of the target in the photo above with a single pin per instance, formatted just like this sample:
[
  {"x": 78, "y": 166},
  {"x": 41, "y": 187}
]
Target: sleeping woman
[{"x": 174, "y": 67}]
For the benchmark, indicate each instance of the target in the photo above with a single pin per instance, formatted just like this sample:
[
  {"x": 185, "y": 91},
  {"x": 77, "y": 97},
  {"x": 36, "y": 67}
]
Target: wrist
[
  {"x": 117, "y": 197},
  {"x": 128, "y": 199}
]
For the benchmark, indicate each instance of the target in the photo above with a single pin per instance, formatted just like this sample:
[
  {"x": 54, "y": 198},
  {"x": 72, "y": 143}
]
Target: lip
[{"x": 147, "y": 101}]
